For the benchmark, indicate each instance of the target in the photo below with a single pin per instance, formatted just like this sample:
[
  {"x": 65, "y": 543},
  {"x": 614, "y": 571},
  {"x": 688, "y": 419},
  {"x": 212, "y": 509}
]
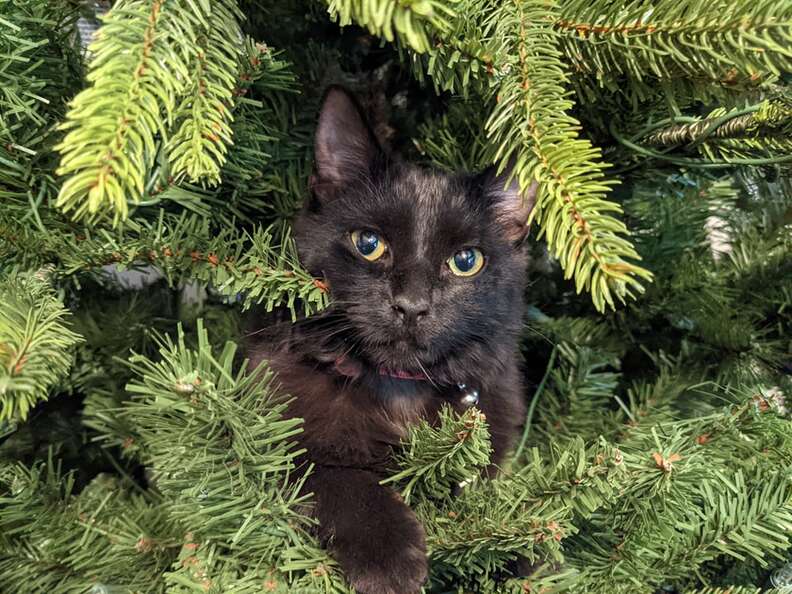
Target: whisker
[{"x": 425, "y": 372}]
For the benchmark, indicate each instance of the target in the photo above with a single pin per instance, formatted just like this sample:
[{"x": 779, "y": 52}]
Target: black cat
[{"x": 426, "y": 273}]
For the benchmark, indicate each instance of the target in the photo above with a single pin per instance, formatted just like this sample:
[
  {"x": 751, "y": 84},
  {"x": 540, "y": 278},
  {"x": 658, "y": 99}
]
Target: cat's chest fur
[{"x": 352, "y": 422}]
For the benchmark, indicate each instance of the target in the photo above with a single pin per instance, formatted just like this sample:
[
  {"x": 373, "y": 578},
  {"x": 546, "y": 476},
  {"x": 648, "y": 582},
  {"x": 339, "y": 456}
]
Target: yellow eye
[
  {"x": 466, "y": 262},
  {"x": 368, "y": 244}
]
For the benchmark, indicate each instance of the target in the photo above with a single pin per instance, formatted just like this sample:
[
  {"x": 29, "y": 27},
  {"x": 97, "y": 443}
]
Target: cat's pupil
[
  {"x": 367, "y": 242},
  {"x": 465, "y": 260}
]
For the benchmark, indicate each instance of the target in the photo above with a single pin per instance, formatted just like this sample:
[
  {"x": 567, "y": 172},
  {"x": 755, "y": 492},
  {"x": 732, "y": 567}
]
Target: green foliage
[
  {"x": 659, "y": 39},
  {"x": 56, "y": 540},
  {"x": 36, "y": 343},
  {"x": 195, "y": 400},
  {"x": 526, "y": 513},
  {"x": 221, "y": 513},
  {"x": 582, "y": 386},
  {"x": 39, "y": 67},
  {"x": 684, "y": 499},
  {"x": 152, "y": 69},
  {"x": 412, "y": 21},
  {"x": 678, "y": 491},
  {"x": 437, "y": 460},
  {"x": 227, "y": 481},
  {"x": 530, "y": 122},
  {"x": 656, "y": 453},
  {"x": 256, "y": 266},
  {"x": 198, "y": 146}
]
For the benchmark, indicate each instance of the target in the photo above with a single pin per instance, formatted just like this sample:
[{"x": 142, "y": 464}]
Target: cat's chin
[{"x": 404, "y": 354}]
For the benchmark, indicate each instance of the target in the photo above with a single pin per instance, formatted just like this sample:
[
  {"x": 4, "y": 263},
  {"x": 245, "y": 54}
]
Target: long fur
[{"x": 470, "y": 333}]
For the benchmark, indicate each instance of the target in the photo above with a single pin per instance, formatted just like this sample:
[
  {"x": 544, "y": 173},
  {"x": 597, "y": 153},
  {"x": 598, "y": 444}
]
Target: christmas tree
[{"x": 140, "y": 453}]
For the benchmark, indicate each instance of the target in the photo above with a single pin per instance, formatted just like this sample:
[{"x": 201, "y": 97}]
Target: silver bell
[{"x": 469, "y": 396}]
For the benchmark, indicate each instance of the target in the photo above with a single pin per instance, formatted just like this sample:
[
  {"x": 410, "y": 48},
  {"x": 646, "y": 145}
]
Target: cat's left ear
[{"x": 511, "y": 207}]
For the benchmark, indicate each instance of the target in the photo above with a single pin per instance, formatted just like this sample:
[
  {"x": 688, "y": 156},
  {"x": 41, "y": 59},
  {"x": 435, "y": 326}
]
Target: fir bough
[
  {"x": 438, "y": 460},
  {"x": 36, "y": 343},
  {"x": 657, "y": 451}
]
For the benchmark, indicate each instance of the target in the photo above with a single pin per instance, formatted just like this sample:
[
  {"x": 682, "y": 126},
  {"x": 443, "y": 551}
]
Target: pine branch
[
  {"x": 54, "y": 540},
  {"x": 715, "y": 42},
  {"x": 488, "y": 526},
  {"x": 735, "y": 590},
  {"x": 524, "y": 513},
  {"x": 530, "y": 124},
  {"x": 458, "y": 60},
  {"x": 580, "y": 390},
  {"x": 752, "y": 135},
  {"x": 113, "y": 124},
  {"x": 769, "y": 115},
  {"x": 685, "y": 502},
  {"x": 414, "y": 21},
  {"x": 258, "y": 267},
  {"x": 436, "y": 460},
  {"x": 199, "y": 144},
  {"x": 35, "y": 344},
  {"x": 39, "y": 64},
  {"x": 572, "y": 477},
  {"x": 453, "y": 141},
  {"x": 140, "y": 70},
  {"x": 227, "y": 481}
]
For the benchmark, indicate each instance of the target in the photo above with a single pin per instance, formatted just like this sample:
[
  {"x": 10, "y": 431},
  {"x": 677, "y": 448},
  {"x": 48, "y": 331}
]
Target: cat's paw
[
  {"x": 378, "y": 541},
  {"x": 385, "y": 554},
  {"x": 388, "y": 571}
]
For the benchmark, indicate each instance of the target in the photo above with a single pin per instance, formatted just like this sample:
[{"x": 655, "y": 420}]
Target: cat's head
[{"x": 421, "y": 265}]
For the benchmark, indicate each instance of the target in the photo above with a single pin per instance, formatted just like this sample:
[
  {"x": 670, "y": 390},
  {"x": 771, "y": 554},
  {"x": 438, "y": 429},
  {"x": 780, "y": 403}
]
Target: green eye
[
  {"x": 368, "y": 244},
  {"x": 466, "y": 262}
]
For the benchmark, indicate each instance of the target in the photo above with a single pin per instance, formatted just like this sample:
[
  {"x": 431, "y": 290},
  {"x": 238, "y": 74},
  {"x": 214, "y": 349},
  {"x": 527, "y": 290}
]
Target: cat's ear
[
  {"x": 344, "y": 147},
  {"x": 511, "y": 207}
]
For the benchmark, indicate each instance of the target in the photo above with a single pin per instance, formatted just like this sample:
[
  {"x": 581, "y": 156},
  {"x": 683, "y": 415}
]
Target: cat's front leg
[{"x": 376, "y": 538}]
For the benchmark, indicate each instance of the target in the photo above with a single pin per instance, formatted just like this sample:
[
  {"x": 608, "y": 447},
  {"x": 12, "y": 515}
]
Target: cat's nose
[{"x": 410, "y": 309}]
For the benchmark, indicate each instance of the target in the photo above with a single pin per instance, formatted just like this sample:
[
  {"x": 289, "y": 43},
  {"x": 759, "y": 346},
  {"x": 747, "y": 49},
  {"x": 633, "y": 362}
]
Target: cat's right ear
[
  {"x": 511, "y": 206},
  {"x": 344, "y": 148}
]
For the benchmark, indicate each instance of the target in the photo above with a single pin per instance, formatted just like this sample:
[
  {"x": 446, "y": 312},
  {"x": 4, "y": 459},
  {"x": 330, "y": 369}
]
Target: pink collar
[
  {"x": 351, "y": 368},
  {"x": 402, "y": 374}
]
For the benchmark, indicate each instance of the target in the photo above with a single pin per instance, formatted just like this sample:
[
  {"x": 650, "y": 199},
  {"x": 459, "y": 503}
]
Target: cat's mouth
[
  {"x": 399, "y": 351},
  {"x": 404, "y": 355}
]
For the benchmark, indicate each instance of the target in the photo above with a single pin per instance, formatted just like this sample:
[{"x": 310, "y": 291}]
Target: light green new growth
[
  {"x": 152, "y": 67},
  {"x": 413, "y": 21},
  {"x": 530, "y": 123},
  {"x": 35, "y": 343},
  {"x": 720, "y": 42},
  {"x": 114, "y": 124},
  {"x": 198, "y": 146}
]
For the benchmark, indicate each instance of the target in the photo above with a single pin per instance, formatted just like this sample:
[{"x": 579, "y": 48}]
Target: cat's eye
[
  {"x": 369, "y": 244},
  {"x": 466, "y": 262}
]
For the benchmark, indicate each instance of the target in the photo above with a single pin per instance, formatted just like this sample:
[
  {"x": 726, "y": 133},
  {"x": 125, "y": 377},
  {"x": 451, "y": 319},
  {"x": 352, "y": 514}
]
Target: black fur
[{"x": 462, "y": 330}]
